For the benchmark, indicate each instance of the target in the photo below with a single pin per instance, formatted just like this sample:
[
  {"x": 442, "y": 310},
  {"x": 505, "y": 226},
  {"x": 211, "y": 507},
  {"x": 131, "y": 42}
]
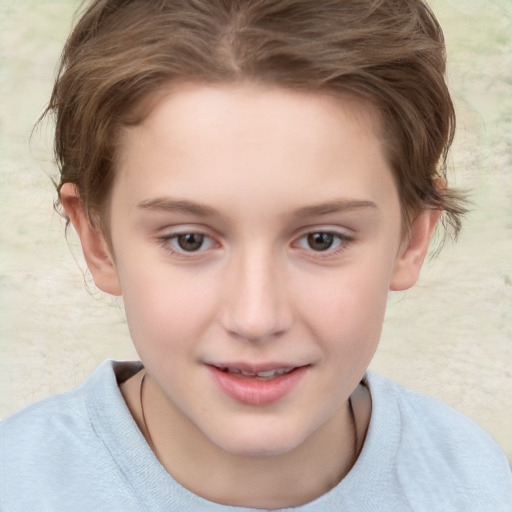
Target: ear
[
  {"x": 412, "y": 254},
  {"x": 96, "y": 251}
]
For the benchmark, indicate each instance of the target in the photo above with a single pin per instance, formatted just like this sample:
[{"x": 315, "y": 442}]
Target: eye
[
  {"x": 321, "y": 241},
  {"x": 190, "y": 242},
  {"x": 187, "y": 242}
]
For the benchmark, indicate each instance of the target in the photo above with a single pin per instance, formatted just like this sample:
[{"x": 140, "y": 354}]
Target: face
[{"x": 255, "y": 235}]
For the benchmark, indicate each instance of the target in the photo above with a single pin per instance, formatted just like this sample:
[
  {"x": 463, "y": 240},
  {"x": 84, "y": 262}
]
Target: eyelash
[
  {"x": 167, "y": 243},
  {"x": 340, "y": 240}
]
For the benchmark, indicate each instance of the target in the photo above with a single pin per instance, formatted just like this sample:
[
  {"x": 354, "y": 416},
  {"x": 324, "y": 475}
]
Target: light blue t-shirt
[{"x": 82, "y": 451}]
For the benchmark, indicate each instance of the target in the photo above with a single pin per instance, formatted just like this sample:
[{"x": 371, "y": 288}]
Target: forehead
[
  {"x": 249, "y": 143},
  {"x": 255, "y": 101}
]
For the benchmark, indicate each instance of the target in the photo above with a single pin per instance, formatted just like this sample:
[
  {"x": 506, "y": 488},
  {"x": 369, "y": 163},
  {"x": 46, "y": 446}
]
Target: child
[{"x": 252, "y": 177}]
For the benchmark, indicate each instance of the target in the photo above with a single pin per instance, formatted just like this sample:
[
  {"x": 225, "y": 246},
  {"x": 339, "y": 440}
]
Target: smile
[
  {"x": 268, "y": 374},
  {"x": 257, "y": 386}
]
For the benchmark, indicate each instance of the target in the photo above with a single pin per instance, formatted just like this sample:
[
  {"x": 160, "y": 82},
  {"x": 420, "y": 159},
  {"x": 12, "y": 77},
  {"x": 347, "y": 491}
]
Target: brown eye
[
  {"x": 187, "y": 243},
  {"x": 190, "y": 242},
  {"x": 320, "y": 241}
]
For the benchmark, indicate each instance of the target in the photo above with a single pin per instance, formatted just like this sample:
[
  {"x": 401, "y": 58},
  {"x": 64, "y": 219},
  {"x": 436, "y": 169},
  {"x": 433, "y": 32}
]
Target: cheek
[
  {"x": 348, "y": 310},
  {"x": 162, "y": 307}
]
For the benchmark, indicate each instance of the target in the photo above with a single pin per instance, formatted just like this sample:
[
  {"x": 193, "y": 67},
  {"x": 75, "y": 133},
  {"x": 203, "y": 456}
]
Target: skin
[{"x": 255, "y": 170}]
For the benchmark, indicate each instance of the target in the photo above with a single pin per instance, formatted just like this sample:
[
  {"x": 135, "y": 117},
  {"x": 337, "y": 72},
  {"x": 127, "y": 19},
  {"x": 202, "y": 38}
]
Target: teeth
[
  {"x": 267, "y": 374},
  {"x": 270, "y": 373}
]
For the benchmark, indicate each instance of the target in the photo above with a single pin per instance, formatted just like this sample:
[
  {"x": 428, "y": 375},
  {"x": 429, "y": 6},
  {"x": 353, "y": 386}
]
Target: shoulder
[
  {"x": 32, "y": 429},
  {"x": 54, "y": 445},
  {"x": 432, "y": 423},
  {"x": 438, "y": 451},
  {"x": 59, "y": 415}
]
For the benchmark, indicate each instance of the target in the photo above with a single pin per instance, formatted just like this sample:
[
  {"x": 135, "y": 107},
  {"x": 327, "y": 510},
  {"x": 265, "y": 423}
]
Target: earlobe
[
  {"x": 410, "y": 260},
  {"x": 96, "y": 251}
]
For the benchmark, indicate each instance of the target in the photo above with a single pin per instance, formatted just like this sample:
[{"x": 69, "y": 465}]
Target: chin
[{"x": 260, "y": 443}]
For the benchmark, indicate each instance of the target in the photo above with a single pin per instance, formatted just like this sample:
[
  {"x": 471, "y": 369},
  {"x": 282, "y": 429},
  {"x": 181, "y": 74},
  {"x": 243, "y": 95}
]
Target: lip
[{"x": 255, "y": 390}]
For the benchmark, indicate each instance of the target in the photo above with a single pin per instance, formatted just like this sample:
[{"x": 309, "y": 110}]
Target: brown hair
[{"x": 389, "y": 53}]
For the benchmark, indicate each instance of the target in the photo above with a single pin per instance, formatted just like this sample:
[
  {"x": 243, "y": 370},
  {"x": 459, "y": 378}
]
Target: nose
[{"x": 256, "y": 305}]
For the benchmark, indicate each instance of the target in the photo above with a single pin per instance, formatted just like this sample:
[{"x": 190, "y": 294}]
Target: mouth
[
  {"x": 257, "y": 385},
  {"x": 253, "y": 374}
]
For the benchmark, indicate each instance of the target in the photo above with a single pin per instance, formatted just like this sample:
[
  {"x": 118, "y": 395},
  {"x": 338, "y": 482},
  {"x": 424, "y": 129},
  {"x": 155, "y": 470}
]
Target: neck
[{"x": 277, "y": 481}]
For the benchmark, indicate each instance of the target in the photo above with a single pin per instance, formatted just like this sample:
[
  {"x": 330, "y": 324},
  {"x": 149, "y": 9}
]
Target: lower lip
[{"x": 253, "y": 391}]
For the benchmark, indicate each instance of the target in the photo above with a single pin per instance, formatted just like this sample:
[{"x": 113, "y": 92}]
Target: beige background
[{"x": 450, "y": 337}]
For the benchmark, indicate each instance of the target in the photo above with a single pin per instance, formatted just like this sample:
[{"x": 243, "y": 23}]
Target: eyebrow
[
  {"x": 165, "y": 204},
  {"x": 337, "y": 206}
]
